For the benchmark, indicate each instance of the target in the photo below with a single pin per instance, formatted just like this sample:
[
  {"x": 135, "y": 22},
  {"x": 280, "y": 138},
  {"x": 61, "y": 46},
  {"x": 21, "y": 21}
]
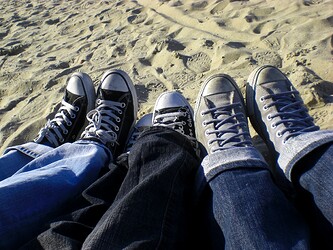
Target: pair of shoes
[
  {"x": 111, "y": 117},
  {"x": 274, "y": 106}
]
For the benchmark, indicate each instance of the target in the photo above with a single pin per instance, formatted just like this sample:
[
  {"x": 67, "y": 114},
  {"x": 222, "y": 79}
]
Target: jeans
[
  {"x": 37, "y": 181},
  {"x": 144, "y": 203},
  {"x": 158, "y": 197}
]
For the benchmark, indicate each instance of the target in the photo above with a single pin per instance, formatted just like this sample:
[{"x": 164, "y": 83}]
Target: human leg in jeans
[
  {"x": 154, "y": 204},
  {"x": 252, "y": 212},
  {"x": 302, "y": 152},
  {"x": 41, "y": 188}
]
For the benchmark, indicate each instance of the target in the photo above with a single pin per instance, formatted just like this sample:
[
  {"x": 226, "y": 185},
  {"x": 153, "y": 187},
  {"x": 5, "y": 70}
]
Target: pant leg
[
  {"x": 314, "y": 183},
  {"x": 249, "y": 208},
  {"x": 154, "y": 203},
  {"x": 14, "y": 158},
  {"x": 70, "y": 231},
  {"x": 41, "y": 189}
]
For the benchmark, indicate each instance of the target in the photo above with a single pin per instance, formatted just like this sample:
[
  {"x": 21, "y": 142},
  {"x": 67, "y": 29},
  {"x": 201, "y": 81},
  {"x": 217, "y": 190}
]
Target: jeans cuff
[{"x": 233, "y": 158}]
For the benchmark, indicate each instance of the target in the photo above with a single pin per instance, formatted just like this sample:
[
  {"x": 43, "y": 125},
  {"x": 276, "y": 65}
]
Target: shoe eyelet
[
  {"x": 284, "y": 142},
  {"x": 269, "y": 117},
  {"x": 262, "y": 99},
  {"x": 120, "y": 112},
  {"x": 76, "y": 108},
  {"x": 273, "y": 125},
  {"x": 123, "y": 105},
  {"x": 61, "y": 140},
  {"x": 207, "y": 132},
  {"x": 183, "y": 122},
  {"x": 69, "y": 123},
  {"x": 116, "y": 128},
  {"x": 118, "y": 119},
  {"x": 98, "y": 101},
  {"x": 204, "y": 124},
  {"x": 65, "y": 132},
  {"x": 265, "y": 107},
  {"x": 278, "y": 134},
  {"x": 73, "y": 116}
]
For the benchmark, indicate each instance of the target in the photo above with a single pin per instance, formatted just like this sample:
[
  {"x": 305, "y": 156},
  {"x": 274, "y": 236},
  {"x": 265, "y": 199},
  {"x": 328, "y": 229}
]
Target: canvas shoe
[
  {"x": 173, "y": 110},
  {"x": 143, "y": 123},
  {"x": 69, "y": 120},
  {"x": 115, "y": 114},
  {"x": 275, "y": 108},
  {"x": 220, "y": 118}
]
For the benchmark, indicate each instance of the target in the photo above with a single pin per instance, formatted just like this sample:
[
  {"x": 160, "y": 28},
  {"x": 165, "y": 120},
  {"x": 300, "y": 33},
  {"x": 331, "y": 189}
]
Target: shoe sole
[
  {"x": 131, "y": 88},
  {"x": 179, "y": 95},
  {"x": 197, "y": 103}
]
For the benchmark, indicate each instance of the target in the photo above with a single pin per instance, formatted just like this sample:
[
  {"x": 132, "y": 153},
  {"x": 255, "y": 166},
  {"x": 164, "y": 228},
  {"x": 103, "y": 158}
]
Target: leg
[
  {"x": 44, "y": 186},
  {"x": 153, "y": 204},
  {"x": 249, "y": 208},
  {"x": 314, "y": 183}
]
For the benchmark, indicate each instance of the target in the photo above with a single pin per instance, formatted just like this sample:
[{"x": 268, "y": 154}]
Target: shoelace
[
  {"x": 102, "y": 121},
  {"x": 172, "y": 120},
  {"x": 223, "y": 116},
  {"x": 55, "y": 128},
  {"x": 292, "y": 114}
]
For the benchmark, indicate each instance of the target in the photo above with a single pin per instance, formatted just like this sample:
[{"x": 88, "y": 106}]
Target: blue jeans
[
  {"x": 158, "y": 198},
  {"x": 36, "y": 181}
]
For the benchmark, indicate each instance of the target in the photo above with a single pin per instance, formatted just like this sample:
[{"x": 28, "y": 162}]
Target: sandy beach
[{"x": 163, "y": 45}]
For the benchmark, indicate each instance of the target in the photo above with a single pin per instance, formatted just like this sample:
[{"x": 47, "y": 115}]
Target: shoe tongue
[
  {"x": 219, "y": 99},
  {"x": 70, "y": 97},
  {"x": 276, "y": 87},
  {"x": 111, "y": 95}
]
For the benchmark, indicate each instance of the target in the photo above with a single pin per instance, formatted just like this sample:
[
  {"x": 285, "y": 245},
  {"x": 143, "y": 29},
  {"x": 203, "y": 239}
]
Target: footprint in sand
[{"x": 199, "y": 62}]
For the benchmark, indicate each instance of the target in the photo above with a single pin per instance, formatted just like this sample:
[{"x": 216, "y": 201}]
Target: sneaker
[
  {"x": 69, "y": 121},
  {"x": 220, "y": 118},
  {"x": 143, "y": 123},
  {"x": 275, "y": 108},
  {"x": 173, "y": 110},
  {"x": 115, "y": 114}
]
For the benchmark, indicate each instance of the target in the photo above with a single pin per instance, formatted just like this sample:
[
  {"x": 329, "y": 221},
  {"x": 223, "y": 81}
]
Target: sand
[{"x": 163, "y": 45}]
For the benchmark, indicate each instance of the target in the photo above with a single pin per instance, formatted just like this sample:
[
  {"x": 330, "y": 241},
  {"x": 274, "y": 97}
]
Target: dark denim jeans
[
  {"x": 153, "y": 200},
  {"x": 148, "y": 206}
]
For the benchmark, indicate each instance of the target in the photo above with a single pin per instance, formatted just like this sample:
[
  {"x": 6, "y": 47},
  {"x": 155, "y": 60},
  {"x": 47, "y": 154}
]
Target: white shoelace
[
  {"x": 102, "y": 121},
  {"x": 55, "y": 136}
]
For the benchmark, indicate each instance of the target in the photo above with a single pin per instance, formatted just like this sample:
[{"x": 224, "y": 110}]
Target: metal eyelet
[
  {"x": 118, "y": 119},
  {"x": 120, "y": 112},
  {"x": 65, "y": 132},
  {"x": 265, "y": 107},
  {"x": 73, "y": 116},
  {"x": 273, "y": 125},
  {"x": 262, "y": 99},
  {"x": 207, "y": 132},
  {"x": 116, "y": 128},
  {"x": 204, "y": 124},
  {"x": 69, "y": 123},
  {"x": 269, "y": 117},
  {"x": 278, "y": 134},
  {"x": 62, "y": 140},
  {"x": 123, "y": 105},
  {"x": 76, "y": 108}
]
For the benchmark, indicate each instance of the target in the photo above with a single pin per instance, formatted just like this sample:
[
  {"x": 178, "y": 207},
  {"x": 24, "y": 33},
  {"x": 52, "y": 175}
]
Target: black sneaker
[
  {"x": 173, "y": 110},
  {"x": 143, "y": 123},
  {"x": 69, "y": 121},
  {"x": 220, "y": 118},
  {"x": 275, "y": 108},
  {"x": 115, "y": 114}
]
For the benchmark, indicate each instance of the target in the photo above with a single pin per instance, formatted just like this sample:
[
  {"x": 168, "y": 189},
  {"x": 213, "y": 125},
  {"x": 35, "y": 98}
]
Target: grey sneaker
[
  {"x": 219, "y": 115},
  {"x": 143, "y": 123},
  {"x": 115, "y": 114},
  {"x": 275, "y": 108},
  {"x": 69, "y": 121},
  {"x": 173, "y": 110}
]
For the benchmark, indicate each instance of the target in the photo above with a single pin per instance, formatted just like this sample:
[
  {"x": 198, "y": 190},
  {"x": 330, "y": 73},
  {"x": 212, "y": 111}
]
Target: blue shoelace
[
  {"x": 292, "y": 114},
  {"x": 221, "y": 117}
]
